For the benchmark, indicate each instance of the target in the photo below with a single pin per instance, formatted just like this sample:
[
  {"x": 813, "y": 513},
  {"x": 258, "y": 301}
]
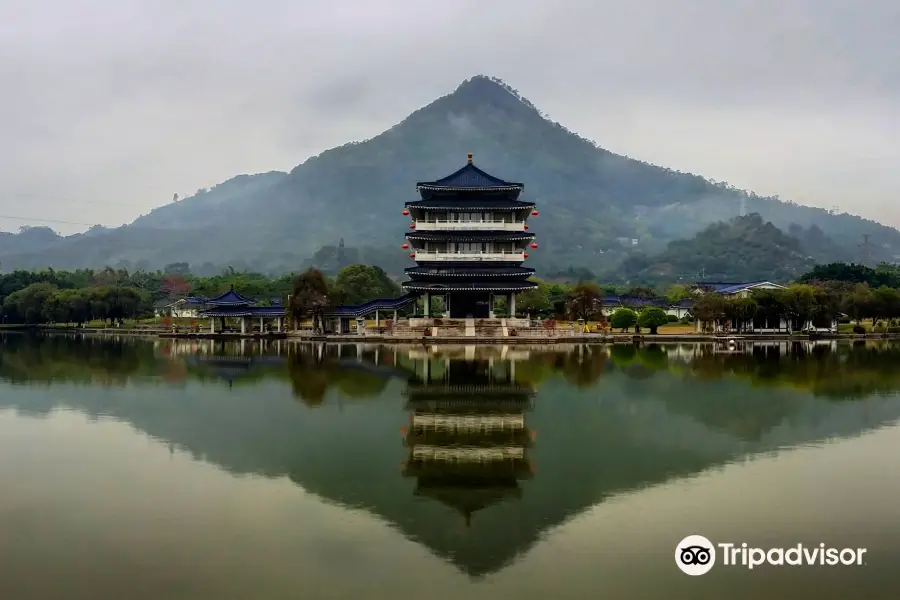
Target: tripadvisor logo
[{"x": 696, "y": 555}]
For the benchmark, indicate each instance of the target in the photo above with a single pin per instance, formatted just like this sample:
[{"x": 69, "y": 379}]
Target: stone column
[
  {"x": 490, "y": 306},
  {"x": 262, "y": 326},
  {"x": 377, "y": 319},
  {"x": 243, "y": 325},
  {"x": 512, "y": 305},
  {"x": 427, "y": 304},
  {"x": 212, "y": 324},
  {"x": 280, "y": 324},
  {"x": 395, "y": 317}
]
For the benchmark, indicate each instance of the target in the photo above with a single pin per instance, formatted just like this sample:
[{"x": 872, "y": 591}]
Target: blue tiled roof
[
  {"x": 722, "y": 287},
  {"x": 195, "y": 300},
  {"x": 371, "y": 306},
  {"x": 230, "y": 298},
  {"x": 470, "y": 177},
  {"x": 244, "y": 311},
  {"x": 467, "y": 205}
]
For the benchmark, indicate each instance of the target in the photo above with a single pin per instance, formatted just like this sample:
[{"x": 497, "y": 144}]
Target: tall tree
[{"x": 310, "y": 298}]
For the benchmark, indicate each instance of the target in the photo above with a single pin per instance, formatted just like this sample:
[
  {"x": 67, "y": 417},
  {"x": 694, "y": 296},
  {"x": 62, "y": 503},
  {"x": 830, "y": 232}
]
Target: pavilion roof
[
  {"x": 244, "y": 311},
  {"x": 470, "y": 177},
  {"x": 230, "y": 298},
  {"x": 359, "y": 310}
]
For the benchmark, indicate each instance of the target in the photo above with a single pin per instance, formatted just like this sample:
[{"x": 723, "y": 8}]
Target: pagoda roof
[
  {"x": 230, "y": 298},
  {"x": 494, "y": 286},
  {"x": 469, "y": 236},
  {"x": 455, "y": 204},
  {"x": 469, "y": 270},
  {"x": 468, "y": 178}
]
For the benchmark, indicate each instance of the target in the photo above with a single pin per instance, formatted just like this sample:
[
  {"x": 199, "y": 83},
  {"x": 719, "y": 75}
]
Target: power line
[
  {"x": 75, "y": 200},
  {"x": 47, "y": 220}
]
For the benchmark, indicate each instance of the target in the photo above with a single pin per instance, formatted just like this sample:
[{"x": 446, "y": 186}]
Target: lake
[{"x": 187, "y": 470}]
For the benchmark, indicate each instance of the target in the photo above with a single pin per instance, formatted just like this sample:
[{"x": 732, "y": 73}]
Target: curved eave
[
  {"x": 421, "y": 286},
  {"x": 259, "y": 311},
  {"x": 512, "y": 187},
  {"x": 411, "y": 273},
  {"x": 452, "y": 236},
  {"x": 470, "y": 207}
]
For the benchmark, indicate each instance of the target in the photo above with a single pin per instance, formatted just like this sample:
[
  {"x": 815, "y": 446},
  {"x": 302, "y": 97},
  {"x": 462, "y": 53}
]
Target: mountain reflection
[{"x": 495, "y": 445}]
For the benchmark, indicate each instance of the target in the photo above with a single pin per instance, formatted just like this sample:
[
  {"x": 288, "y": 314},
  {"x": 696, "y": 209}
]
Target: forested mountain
[
  {"x": 744, "y": 249},
  {"x": 593, "y": 203}
]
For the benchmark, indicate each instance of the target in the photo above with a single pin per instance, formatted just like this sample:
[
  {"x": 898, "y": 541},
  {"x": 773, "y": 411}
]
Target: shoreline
[{"x": 463, "y": 340}]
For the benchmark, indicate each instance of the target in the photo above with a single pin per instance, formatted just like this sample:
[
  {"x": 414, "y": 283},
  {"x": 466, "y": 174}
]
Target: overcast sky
[{"x": 109, "y": 107}]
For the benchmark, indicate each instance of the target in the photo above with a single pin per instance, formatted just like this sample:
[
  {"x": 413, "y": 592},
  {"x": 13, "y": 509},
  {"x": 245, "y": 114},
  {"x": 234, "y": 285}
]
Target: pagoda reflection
[{"x": 467, "y": 437}]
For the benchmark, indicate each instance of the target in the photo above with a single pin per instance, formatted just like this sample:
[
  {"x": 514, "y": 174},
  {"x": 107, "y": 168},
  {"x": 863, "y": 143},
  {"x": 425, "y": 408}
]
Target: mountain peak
[{"x": 487, "y": 90}]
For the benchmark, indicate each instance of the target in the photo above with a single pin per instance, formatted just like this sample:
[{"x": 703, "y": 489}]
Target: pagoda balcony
[
  {"x": 484, "y": 225},
  {"x": 460, "y": 255}
]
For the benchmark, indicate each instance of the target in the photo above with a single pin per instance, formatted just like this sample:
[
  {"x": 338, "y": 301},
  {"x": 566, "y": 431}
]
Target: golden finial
[{"x": 470, "y": 158}]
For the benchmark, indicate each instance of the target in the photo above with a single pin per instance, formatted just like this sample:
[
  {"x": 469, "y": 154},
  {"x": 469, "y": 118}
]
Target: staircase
[{"x": 487, "y": 328}]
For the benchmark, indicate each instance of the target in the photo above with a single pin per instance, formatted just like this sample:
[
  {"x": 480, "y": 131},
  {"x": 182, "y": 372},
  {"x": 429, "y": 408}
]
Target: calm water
[{"x": 181, "y": 470}]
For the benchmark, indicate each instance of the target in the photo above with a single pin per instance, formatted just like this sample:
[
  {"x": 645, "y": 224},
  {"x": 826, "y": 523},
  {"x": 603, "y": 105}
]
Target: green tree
[
  {"x": 623, "y": 318},
  {"x": 28, "y": 305},
  {"x": 309, "y": 298},
  {"x": 859, "y": 303},
  {"x": 534, "y": 302},
  {"x": 357, "y": 284},
  {"x": 710, "y": 309},
  {"x": 585, "y": 301},
  {"x": 652, "y": 317},
  {"x": 740, "y": 310}
]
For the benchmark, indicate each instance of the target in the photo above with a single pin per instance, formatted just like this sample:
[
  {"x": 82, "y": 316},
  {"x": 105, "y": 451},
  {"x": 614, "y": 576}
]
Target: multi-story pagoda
[
  {"x": 467, "y": 438},
  {"x": 469, "y": 237}
]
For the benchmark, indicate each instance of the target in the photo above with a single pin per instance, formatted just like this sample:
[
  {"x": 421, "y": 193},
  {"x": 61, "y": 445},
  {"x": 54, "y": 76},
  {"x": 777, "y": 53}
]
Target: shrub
[
  {"x": 672, "y": 319},
  {"x": 652, "y": 318},
  {"x": 623, "y": 318},
  {"x": 893, "y": 329},
  {"x": 858, "y": 329}
]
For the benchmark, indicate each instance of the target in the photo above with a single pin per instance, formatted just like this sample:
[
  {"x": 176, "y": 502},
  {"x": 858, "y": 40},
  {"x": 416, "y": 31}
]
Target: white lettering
[
  {"x": 794, "y": 556},
  {"x": 848, "y": 556},
  {"x": 832, "y": 555},
  {"x": 859, "y": 555},
  {"x": 775, "y": 556},
  {"x": 810, "y": 558},
  {"x": 757, "y": 557},
  {"x": 726, "y": 554}
]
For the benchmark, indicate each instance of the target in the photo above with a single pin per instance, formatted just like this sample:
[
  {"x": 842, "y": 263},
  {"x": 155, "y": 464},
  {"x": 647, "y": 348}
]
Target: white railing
[
  {"x": 487, "y": 225},
  {"x": 500, "y": 255}
]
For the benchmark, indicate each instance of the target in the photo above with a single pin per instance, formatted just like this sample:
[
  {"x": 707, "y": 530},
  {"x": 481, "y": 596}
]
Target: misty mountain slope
[
  {"x": 743, "y": 249},
  {"x": 207, "y": 207},
  {"x": 592, "y": 201}
]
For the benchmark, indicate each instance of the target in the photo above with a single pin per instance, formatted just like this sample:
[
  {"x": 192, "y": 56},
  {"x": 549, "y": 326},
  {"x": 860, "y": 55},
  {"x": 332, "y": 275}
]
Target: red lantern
[
  {"x": 533, "y": 245},
  {"x": 525, "y": 255},
  {"x": 412, "y": 254},
  {"x": 405, "y": 212},
  {"x": 405, "y": 246},
  {"x": 412, "y": 225},
  {"x": 526, "y": 227},
  {"x": 534, "y": 213}
]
